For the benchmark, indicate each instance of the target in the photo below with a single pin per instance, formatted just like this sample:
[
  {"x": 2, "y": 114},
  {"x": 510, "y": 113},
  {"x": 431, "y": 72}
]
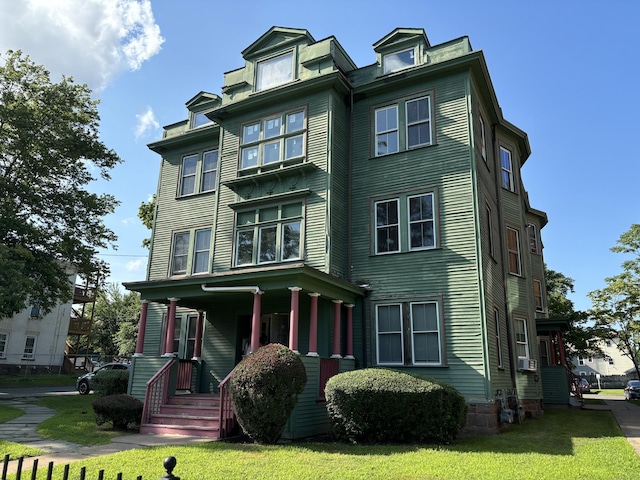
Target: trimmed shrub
[
  {"x": 384, "y": 406},
  {"x": 120, "y": 410},
  {"x": 110, "y": 382},
  {"x": 264, "y": 388}
]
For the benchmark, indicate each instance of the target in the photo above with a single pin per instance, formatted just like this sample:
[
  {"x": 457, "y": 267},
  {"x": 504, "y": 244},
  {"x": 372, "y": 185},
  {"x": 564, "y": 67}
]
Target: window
[
  {"x": 269, "y": 234},
  {"x": 29, "y": 348},
  {"x": 4, "y": 341},
  {"x": 483, "y": 140},
  {"x": 537, "y": 295},
  {"x": 205, "y": 166},
  {"x": 489, "y": 214},
  {"x": 513, "y": 250},
  {"x": 422, "y": 321},
  {"x": 545, "y": 358},
  {"x": 507, "y": 169},
  {"x": 273, "y": 140},
  {"x": 417, "y": 130},
  {"x": 387, "y": 227},
  {"x": 580, "y": 361},
  {"x": 522, "y": 344},
  {"x": 275, "y": 71},
  {"x": 534, "y": 244},
  {"x": 399, "y": 60},
  {"x": 35, "y": 310},
  {"x": 413, "y": 215},
  {"x": 610, "y": 360},
  {"x": 186, "y": 254},
  {"x": 200, "y": 119},
  {"x": 496, "y": 322}
]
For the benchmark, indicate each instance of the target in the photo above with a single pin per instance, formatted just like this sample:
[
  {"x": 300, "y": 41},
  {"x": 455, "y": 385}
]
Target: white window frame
[
  {"x": 382, "y": 132},
  {"x": 4, "y": 343},
  {"x": 422, "y": 221},
  {"x": 414, "y": 332},
  {"x": 266, "y": 78},
  {"x": 390, "y": 332},
  {"x": 29, "y": 353},
  {"x": 200, "y": 252},
  {"x": 184, "y": 175},
  {"x": 419, "y": 121},
  {"x": 498, "y": 333},
  {"x": 175, "y": 253},
  {"x": 522, "y": 342},
  {"x": 580, "y": 360},
  {"x": 516, "y": 253},
  {"x": 387, "y": 227},
  {"x": 210, "y": 171},
  {"x": 388, "y": 60},
  {"x": 534, "y": 241},
  {"x": 190, "y": 254},
  {"x": 507, "y": 179}
]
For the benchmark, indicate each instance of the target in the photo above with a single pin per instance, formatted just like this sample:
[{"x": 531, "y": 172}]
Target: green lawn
[
  {"x": 51, "y": 380},
  {"x": 561, "y": 445}
]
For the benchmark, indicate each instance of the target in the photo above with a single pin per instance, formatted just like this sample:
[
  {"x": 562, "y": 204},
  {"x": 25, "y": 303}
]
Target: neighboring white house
[
  {"x": 32, "y": 342},
  {"x": 613, "y": 366}
]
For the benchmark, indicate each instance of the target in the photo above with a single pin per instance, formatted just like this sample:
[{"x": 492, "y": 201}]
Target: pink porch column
[
  {"x": 349, "y": 331},
  {"x": 255, "y": 321},
  {"x": 142, "y": 326},
  {"x": 336, "y": 329},
  {"x": 313, "y": 326},
  {"x": 171, "y": 327},
  {"x": 293, "y": 318},
  {"x": 197, "y": 348}
]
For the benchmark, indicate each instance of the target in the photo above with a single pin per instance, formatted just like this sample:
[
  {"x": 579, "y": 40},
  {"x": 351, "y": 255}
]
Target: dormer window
[
  {"x": 399, "y": 60},
  {"x": 275, "y": 71},
  {"x": 200, "y": 119}
]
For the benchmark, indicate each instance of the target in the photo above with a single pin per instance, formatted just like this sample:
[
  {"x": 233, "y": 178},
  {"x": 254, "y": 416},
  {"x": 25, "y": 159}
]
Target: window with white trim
[
  {"x": 273, "y": 140},
  {"x": 36, "y": 310},
  {"x": 580, "y": 361},
  {"x": 537, "y": 295},
  {"x": 422, "y": 322},
  {"x": 417, "y": 130},
  {"x": 29, "y": 352},
  {"x": 200, "y": 119},
  {"x": 497, "y": 330},
  {"x": 483, "y": 140},
  {"x": 403, "y": 224},
  {"x": 274, "y": 71},
  {"x": 506, "y": 166},
  {"x": 545, "y": 355},
  {"x": 269, "y": 234},
  {"x": 534, "y": 242},
  {"x": 513, "y": 251},
  {"x": 4, "y": 341},
  {"x": 392, "y": 62},
  {"x": 198, "y": 173},
  {"x": 522, "y": 341},
  {"x": 191, "y": 251}
]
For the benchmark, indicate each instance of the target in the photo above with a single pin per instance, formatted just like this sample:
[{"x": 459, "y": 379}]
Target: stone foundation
[{"x": 484, "y": 418}]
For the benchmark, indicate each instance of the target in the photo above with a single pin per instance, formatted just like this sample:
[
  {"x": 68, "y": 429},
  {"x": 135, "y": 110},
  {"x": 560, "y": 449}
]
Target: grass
[
  {"x": 22, "y": 381},
  {"x": 15, "y": 450},
  {"x": 561, "y": 444}
]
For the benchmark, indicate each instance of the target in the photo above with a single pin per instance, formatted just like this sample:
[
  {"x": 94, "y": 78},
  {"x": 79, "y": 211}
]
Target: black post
[
  {"x": 5, "y": 465},
  {"x": 19, "y": 470},
  {"x": 169, "y": 465},
  {"x": 34, "y": 469},
  {"x": 50, "y": 471}
]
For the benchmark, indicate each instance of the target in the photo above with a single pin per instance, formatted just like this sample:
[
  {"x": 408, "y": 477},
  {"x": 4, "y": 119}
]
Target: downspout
[{"x": 247, "y": 289}]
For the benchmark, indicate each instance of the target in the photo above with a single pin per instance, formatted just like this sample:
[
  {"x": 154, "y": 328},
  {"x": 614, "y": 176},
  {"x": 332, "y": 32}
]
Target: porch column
[
  {"x": 563, "y": 359},
  {"x": 552, "y": 350},
  {"x": 293, "y": 318},
  {"x": 142, "y": 326},
  {"x": 171, "y": 327},
  {"x": 349, "y": 331},
  {"x": 255, "y": 322},
  {"x": 313, "y": 326},
  {"x": 197, "y": 348},
  {"x": 336, "y": 329}
]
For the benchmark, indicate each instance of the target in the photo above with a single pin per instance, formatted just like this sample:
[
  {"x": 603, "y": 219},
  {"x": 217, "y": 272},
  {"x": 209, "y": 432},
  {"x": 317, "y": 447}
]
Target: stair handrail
[
  {"x": 576, "y": 386},
  {"x": 227, "y": 416},
  {"x": 157, "y": 392}
]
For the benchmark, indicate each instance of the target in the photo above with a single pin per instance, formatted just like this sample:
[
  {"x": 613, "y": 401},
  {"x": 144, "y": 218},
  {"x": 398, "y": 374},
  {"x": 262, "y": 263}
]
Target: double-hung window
[
  {"x": 273, "y": 140},
  {"x": 416, "y": 131},
  {"x": 506, "y": 165},
  {"x": 513, "y": 251},
  {"x": 202, "y": 166},
  {"x": 534, "y": 243},
  {"x": 393, "y": 62},
  {"x": 483, "y": 140},
  {"x": 4, "y": 342},
  {"x": 522, "y": 342},
  {"x": 537, "y": 295},
  {"x": 269, "y": 234},
  {"x": 191, "y": 252},
  {"x": 274, "y": 71},
  {"x": 497, "y": 330},
  {"x": 406, "y": 223},
  {"x": 36, "y": 310},
  {"x": 29, "y": 352},
  {"x": 421, "y": 320}
]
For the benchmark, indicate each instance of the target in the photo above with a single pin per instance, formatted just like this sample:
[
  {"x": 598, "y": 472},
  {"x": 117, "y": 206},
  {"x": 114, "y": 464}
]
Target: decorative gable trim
[
  {"x": 277, "y": 38},
  {"x": 401, "y": 37}
]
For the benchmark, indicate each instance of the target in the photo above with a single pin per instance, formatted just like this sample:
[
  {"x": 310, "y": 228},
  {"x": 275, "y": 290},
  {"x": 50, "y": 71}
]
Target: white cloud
[
  {"x": 129, "y": 220},
  {"x": 91, "y": 40},
  {"x": 146, "y": 123},
  {"x": 136, "y": 265}
]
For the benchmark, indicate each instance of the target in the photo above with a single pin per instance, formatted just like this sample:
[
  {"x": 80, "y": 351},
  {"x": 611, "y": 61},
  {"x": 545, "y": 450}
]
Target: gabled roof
[
  {"x": 275, "y": 38},
  {"x": 399, "y": 35},
  {"x": 202, "y": 97}
]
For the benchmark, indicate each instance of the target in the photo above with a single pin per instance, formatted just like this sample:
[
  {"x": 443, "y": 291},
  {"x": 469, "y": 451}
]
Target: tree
[
  {"x": 146, "y": 213},
  {"x": 49, "y": 144},
  {"x": 616, "y": 307},
  {"x": 115, "y": 321}
]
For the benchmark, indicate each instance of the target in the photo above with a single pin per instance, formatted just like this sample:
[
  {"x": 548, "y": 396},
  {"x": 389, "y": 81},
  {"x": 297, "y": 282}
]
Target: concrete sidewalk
[{"x": 626, "y": 414}]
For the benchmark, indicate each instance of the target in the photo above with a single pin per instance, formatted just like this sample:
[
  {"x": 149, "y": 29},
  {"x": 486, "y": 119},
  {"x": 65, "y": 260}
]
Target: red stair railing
[
  {"x": 227, "y": 416},
  {"x": 157, "y": 392}
]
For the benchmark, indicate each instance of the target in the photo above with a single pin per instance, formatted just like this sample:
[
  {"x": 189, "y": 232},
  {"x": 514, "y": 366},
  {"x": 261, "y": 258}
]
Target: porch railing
[
  {"x": 157, "y": 392},
  {"x": 185, "y": 369},
  {"x": 328, "y": 368},
  {"x": 575, "y": 383},
  {"x": 227, "y": 416}
]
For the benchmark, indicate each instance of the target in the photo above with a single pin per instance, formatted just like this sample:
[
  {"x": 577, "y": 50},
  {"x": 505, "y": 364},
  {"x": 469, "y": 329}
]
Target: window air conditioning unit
[{"x": 527, "y": 364}]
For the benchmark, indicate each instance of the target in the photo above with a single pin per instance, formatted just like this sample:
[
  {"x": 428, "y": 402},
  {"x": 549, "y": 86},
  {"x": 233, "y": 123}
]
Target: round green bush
[
  {"x": 121, "y": 410},
  {"x": 264, "y": 388},
  {"x": 385, "y": 406}
]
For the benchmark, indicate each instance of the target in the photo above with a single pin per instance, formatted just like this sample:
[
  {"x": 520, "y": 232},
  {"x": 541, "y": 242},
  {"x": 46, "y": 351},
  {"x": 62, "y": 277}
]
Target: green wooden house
[{"x": 369, "y": 216}]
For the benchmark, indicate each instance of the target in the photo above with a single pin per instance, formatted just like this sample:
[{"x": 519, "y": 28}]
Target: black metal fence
[{"x": 169, "y": 464}]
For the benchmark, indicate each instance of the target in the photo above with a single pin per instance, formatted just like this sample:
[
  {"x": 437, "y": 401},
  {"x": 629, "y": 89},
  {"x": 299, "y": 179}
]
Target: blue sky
[{"x": 565, "y": 72}]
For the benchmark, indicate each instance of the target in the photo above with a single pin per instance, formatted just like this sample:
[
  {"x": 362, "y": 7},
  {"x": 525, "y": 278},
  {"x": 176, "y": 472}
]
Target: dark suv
[{"x": 83, "y": 383}]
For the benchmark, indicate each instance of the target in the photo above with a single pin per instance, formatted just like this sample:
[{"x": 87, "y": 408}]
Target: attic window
[
  {"x": 399, "y": 60},
  {"x": 275, "y": 71},
  {"x": 200, "y": 119}
]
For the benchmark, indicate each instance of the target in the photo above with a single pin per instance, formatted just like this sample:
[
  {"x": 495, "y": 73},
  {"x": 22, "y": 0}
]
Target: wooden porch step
[
  {"x": 187, "y": 430},
  {"x": 201, "y": 399},
  {"x": 187, "y": 410},
  {"x": 194, "y": 415},
  {"x": 184, "y": 420}
]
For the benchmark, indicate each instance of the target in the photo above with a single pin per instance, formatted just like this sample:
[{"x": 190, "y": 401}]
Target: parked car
[
  {"x": 83, "y": 383},
  {"x": 585, "y": 386},
  {"x": 632, "y": 390}
]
